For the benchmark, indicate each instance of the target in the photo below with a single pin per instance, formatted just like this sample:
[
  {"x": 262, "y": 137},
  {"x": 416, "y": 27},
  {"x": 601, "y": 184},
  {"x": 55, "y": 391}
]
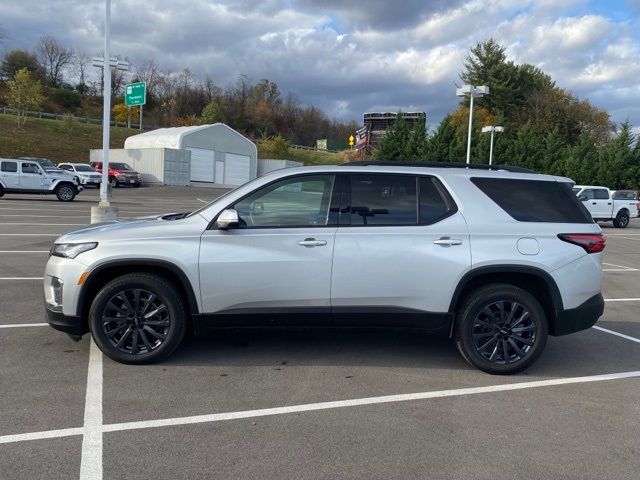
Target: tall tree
[
  {"x": 53, "y": 57},
  {"x": 16, "y": 60}
]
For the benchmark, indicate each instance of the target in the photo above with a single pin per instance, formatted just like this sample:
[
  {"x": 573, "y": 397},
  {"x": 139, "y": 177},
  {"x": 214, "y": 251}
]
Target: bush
[{"x": 67, "y": 99}]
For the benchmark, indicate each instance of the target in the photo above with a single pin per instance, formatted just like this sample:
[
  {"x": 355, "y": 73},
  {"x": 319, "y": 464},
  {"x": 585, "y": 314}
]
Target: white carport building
[{"x": 219, "y": 154}]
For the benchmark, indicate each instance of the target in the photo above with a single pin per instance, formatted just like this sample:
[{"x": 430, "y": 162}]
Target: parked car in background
[
  {"x": 120, "y": 174},
  {"x": 27, "y": 176},
  {"x": 463, "y": 252},
  {"x": 604, "y": 208},
  {"x": 84, "y": 172}
]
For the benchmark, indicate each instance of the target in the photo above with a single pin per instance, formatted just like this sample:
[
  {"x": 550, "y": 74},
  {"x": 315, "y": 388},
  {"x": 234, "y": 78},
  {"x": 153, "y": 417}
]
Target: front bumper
[
  {"x": 69, "y": 324},
  {"x": 580, "y": 318}
]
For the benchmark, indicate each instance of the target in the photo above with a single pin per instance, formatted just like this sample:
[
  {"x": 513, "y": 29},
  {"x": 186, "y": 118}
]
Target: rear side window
[
  {"x": 435, "y": 201},
  {"x": 383, "y": 200},
  {"x": 9, "y": 167},
  {"x": 535, "y": 200},
  {"x": 600, "y": 194}
]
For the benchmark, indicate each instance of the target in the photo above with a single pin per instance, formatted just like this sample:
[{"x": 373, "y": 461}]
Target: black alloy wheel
[
  {"x": 138, "y": 318},
  {"x": 501, "y": 329}
]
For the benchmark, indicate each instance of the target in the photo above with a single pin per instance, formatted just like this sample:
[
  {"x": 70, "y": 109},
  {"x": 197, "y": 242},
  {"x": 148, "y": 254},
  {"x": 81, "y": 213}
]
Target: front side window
[
  {"x": 120, "y": 166},
  {"x": 30, "y": 168},
  {"x": 382, "y": 200},
  {"x": 9, "y": 167},
  {"x": 588, "y": 193},
  {"x": 293, "y": 202}
]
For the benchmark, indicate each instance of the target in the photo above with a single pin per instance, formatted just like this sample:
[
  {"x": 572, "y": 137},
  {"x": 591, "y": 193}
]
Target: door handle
[
  {"x": 609, "y": 203},
  {"x": 594, "y": 203},
  {"x": 447, "y": 242},
  {"x": 312, "y": 242}
]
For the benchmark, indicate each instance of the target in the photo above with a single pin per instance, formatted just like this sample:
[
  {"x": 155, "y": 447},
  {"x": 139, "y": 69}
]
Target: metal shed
[{"x": 219, "y": 154}]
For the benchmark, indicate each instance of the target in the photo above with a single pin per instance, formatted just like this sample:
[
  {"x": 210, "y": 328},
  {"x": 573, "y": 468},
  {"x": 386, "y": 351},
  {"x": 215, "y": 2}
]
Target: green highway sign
[{"x": 135, "y": 94}]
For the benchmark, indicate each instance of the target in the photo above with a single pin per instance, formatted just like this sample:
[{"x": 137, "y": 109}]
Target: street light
[
  {"x": 104, "y": 212},
  {"x": 492, "y": 129},
  {"x": 473, "y": 92}
]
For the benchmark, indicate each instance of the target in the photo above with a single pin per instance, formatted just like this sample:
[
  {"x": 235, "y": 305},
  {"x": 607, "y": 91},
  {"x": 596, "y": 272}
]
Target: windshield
[
  {"x": 46, "y": 163},
  {"x": 84, "y": 168},
  {"x": 204, "y": 207},
  {"x": 576, "y": 190},
  {"x": 120, "y": 166}
]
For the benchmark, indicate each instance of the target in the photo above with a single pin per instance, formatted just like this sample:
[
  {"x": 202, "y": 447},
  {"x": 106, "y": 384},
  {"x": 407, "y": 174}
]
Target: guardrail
[{"x": 62, "y": 116}]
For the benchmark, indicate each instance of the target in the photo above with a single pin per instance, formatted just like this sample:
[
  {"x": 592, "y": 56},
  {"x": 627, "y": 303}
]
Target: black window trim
[
  {"x": 332, "y": 220},
  {"x": 345, "y": 203}
]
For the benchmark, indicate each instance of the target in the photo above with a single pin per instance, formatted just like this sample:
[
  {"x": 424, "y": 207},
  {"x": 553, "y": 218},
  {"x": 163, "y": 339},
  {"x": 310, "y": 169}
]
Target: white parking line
[
  {"x": 91, "y": 460},
  {"x": 617, "y": 334},
  {"x": 619, "y": 269},
  {"x": 22, "y": 325},
  {"x": 618, "y": 266},
  {"x": 24, "y": 251},
  {"x": 309, "y": 407},
  {"x": 622, "y": 299},
  {"x": 43, "y": 224},
  {"x": 21, "y": 278}
]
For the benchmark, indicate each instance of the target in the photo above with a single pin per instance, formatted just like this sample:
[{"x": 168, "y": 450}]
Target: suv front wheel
[
  {"x": 501, "y": 329},
  {"x": 66, "y": 193},
  {"x": 138, "y": 318}
]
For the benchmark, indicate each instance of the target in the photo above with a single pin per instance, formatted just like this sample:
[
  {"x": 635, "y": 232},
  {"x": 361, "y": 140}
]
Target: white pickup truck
[{"x": 603, "y": 207}]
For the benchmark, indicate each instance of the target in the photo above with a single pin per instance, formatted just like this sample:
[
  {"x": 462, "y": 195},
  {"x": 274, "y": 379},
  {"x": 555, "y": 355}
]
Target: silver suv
[
  {"x": 495, "y": 259},
  {"x": 28, "y": 176}
]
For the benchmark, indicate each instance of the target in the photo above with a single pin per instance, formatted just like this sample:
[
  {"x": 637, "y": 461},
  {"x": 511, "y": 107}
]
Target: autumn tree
[
  {"x": 16, "y": 60},
  {"x": 24, "y": 93}
]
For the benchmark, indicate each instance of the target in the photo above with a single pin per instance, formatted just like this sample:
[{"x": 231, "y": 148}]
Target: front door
[
  {"x": 598, "y": 202},
  {"x": 401, "y": 249},
  {"x": 31, "y": 176},
  {"x": 278, "y": 261}
]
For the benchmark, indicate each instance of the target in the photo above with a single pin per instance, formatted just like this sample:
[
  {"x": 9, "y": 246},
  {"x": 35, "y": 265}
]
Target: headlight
[{"x": 71, "y": 250}]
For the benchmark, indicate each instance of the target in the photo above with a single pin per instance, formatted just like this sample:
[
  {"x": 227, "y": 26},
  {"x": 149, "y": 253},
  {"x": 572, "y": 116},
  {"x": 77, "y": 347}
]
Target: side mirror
[
  {"x": 228, "y": 219},
  {"x": 583, "y": 198}
]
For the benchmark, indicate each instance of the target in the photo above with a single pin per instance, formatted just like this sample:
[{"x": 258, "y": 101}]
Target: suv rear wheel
[
  {"x": 138, "y": 318},
  {"x": 65, "y": 193},
  {"x": 621, "y": 220},
  {"x": 501, "y": 329}
]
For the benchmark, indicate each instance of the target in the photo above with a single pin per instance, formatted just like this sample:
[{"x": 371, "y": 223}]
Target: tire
[
  {"x": 137, "y": 185},
  {"x": 154, "y": 341},
  {"x": 621, "y": 220},
  {"x": 481, "y": 338},
  {"x": 114, "y": 182},
  {"x": 65, "y": 193}
]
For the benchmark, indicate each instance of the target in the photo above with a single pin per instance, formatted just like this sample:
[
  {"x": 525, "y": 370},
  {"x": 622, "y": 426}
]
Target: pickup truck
[{"x": 603, "y": 207}]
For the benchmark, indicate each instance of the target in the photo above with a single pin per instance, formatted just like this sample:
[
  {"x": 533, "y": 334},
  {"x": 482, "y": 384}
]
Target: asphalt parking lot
[{"x": 302, "y": 405}]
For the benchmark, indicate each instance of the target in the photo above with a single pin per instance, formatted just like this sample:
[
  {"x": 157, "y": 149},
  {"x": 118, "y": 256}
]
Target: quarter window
[
  {"x": 383, "y": 200},
  {"x": 293, "y": 202},
  {"x": 9, "y": 167}
]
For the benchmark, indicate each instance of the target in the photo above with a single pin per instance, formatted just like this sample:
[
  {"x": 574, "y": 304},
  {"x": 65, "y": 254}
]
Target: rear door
[
  {"x": 31, "y": 176},
  {"x": 603, "y": 203},
  {"x": 400, "y": 249},
  {"x": 9, "y": 174}
]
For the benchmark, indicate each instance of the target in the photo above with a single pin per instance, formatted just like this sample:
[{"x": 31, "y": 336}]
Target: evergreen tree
[
  {"x": 554, "y": 151},
  {"x": 526, "y": 149},
  {"x": 616, "y": 160},
  {"x": 394, "y": 143}
]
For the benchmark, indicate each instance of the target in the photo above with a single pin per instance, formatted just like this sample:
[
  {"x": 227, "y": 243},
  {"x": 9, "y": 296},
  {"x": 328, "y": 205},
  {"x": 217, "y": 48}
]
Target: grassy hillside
[
  {"x": 59, "y": 140},
  {"x": 64, "y": 141}
]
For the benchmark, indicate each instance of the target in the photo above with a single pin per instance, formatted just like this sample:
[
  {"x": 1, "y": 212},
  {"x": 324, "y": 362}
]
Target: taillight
[{"x": 591, "y": 242}]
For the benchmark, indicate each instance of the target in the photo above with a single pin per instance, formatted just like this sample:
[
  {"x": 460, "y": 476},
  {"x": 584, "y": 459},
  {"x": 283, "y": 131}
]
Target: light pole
[
  {"x": 104, "y": 212},
  {"x": 492, "y": 129},
  {"x": 473, "y": 92}
]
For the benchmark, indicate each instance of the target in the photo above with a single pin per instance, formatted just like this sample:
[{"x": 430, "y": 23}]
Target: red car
[{"x": 120, "y": 174}]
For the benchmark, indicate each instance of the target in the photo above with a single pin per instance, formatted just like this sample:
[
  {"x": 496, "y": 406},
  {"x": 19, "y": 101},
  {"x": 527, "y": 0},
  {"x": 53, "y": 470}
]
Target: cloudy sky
[{"x": 350, "y": 57}]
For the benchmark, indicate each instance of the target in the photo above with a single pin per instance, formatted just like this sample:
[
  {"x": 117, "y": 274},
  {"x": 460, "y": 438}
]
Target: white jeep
[{"x": 27, "y": 176}]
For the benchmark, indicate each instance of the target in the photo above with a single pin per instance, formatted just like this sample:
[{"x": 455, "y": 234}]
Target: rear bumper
[
  {"x": 66, "y": 323},
  {"x": 580, "y": 318}
]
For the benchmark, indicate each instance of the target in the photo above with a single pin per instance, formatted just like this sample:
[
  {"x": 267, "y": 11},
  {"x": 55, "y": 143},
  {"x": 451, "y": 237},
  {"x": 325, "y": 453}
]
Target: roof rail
[{"x": 473, "y": 166}]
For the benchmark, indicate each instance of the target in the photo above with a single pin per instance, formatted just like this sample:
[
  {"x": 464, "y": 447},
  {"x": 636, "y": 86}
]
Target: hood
[{"x": 155, "y": 226}]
